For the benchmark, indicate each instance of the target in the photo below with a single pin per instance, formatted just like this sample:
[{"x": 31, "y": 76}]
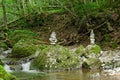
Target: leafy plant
[{"x": 4, "y": 75}]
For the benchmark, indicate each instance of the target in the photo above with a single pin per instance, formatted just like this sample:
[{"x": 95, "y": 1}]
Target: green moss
[
  {"x": 33, "y": 41},
  {"x": 14, "y": 36},
  {"x": 5, "y": 75},
  {"x": 3, "y": 45},
  {"x": 80, "y": 49},
  {"x": 56, "y": 58},
  {"x": 41, "y": 47},
  {"x": 92, "y": 63},
  {"x": 95, "y": 49},
  {"x": 23, "y": 49}
]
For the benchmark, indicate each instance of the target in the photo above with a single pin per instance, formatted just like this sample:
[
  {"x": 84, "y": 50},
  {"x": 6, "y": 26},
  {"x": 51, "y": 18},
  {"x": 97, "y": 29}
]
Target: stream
[
  {"x": 23, "y": 71},
  {"x": 67, "y": 75}
]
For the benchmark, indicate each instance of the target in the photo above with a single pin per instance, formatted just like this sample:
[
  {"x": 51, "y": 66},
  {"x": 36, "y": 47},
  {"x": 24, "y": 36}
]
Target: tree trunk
[
  {"x": 21, "y": 6},
  {"x": 4, "y": 13}
]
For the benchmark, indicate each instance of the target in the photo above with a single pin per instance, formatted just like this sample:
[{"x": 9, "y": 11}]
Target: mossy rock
[
  {"x": 80, "y": 50},
  {"x": 92, "y": 63},
  {"x": 5, "y": 75},
  {"x": 15, "y": 35},
  {"x": 95, "y": 49},
  {"x": 23, "y": 48},
  {"x": 55, "y": 57},
  {"x": 37, "y": 42},
  {"x": 3, "y": 45},
  {"x": 41, "y": 47}
]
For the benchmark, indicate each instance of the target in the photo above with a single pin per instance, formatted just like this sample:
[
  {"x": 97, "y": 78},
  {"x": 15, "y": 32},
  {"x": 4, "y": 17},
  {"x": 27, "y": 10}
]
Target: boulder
[
  {"x": 55, "y": 57},
  {"x": 92, "y": 63},
  {"x": 110, "y": 59},
  {"x": 80, "y": 50},
  {"x": 27, "y": 46},
  {"x": 23, "y": 48},
  {"x": 92, "y": 49}
]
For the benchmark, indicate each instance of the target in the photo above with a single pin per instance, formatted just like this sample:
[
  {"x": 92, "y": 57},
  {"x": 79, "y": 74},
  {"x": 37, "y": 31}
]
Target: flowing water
[
  {"x": 6, "y": 67},
  {"x": 26, "y": 66}
]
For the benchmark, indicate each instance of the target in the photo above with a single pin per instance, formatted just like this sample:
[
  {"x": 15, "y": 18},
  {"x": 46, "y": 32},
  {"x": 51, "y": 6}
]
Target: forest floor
[
  {"x": 75, "y": 31},
  {"x": 72, "y": 31},
  {"x": 65, "y": 26}
]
